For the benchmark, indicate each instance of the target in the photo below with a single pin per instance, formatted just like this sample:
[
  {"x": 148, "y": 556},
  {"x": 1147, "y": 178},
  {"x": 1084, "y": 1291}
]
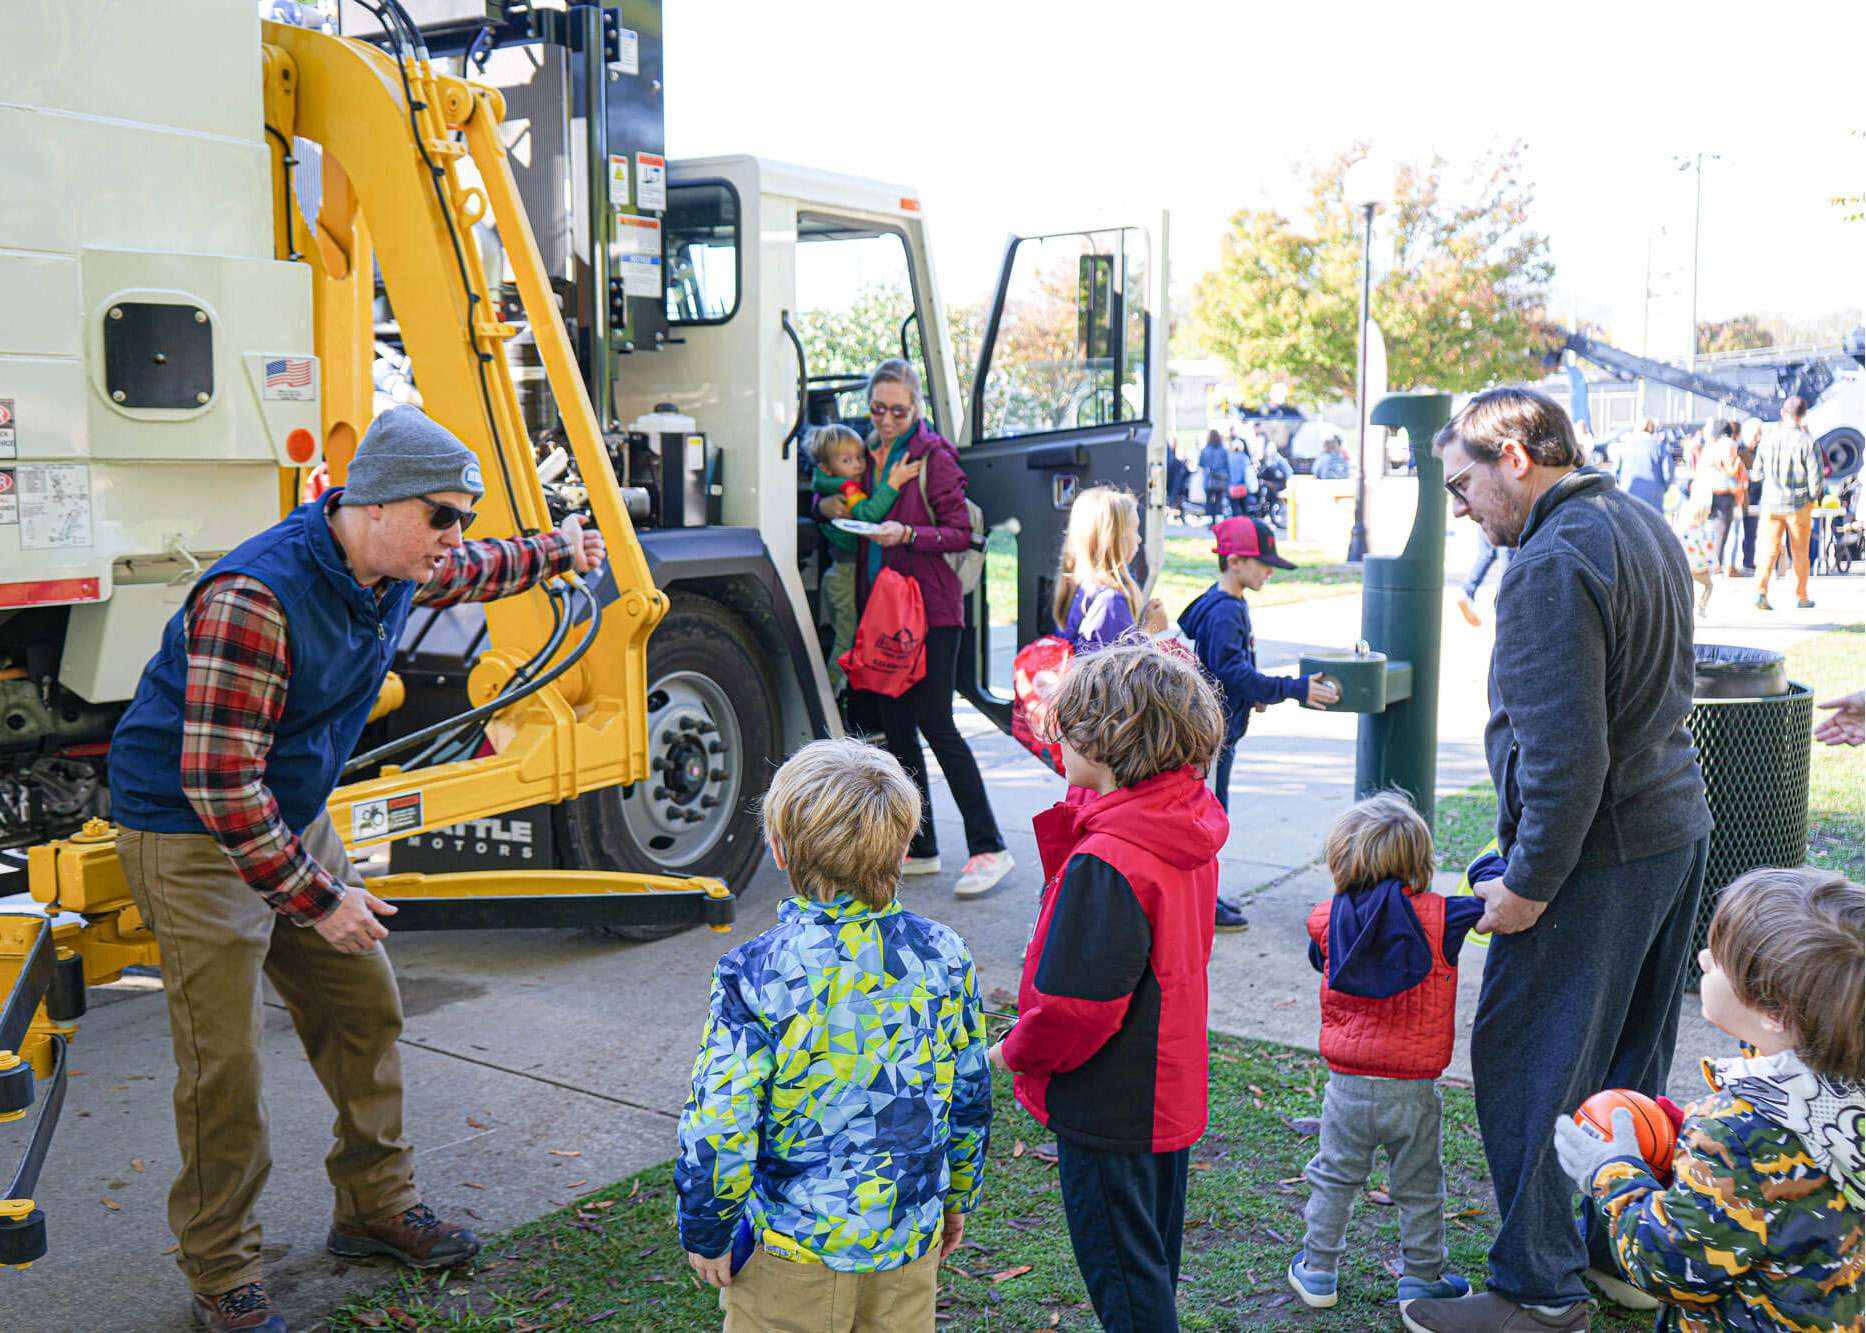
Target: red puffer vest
[{"x": 1408, "y": 1035}]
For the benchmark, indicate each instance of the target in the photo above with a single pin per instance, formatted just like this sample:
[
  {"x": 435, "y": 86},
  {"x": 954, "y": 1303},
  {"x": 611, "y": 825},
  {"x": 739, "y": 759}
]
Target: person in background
[
  {"x": 1178, "y": 482},
  {"x": 1721, "y": 465},
  {"x": 1097, "y": 601},
  {"x": 1487, "y": 555},
  {"x": 1749, "y": 440},
  {"x": 928, "y": 520},
  {"x": 1332, "y": 463},
  {"x": 840, "y": 461},
  {"x": 1794, "y": 478},
  {"x": 1693, "y": 526},
  {"x": 1242, "y": 474},
  {"x": 837, "y": 1180},
  {"x": 1215, "y": 469},
  {"x": 1643, "y": 466}
]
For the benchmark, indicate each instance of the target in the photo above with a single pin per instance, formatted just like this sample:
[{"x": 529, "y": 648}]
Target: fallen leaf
[
  {"x": 1284, "y": 1004},
  {"x": 373, "y": 1319},
  {"x": 1276, "y": 1236},
  {"x": 401, "y": 1316},
  {"x": 573, "y": 1184},
  {"x": 999, "y": 995},
  {"x": 600, "y": 1316},
  {"x": 1200, "y": 1166},
  {"x": 1395, "y": 1268},
  {"x": 136, "y": 1164},
  {"x": 1255, "y": 1091},
  {"x": 476, "y": 1124},
  {"x": 1010, "y": 1273},
  {"x": 605, "y": 1203},
  {"x": 472, "y": 1185},
  {"x": 118, "y": 1087},
  {"x": 634, "y": 1187},
  {"x": 1464, "y": 1212},
  {"x": 1293, "y": 1180},
  {"x": 477, "y": 1218},
  {"x": 1305, "y": 1125},
  {"x": 1380, "y": 1197},
  {"x": 1017, "y": 1149},
  {"x": 171, "y": 1249},
  {"x": 112, "y": 1206},
  {"x": 564, "y": 1152}
]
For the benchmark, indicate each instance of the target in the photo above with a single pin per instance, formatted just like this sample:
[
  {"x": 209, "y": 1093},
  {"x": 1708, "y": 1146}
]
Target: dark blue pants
[
  {"x": 1222, "y": 779},
  {"x": 1481, "y": 566},
  {"x": 1126, "y": 1211},
  {"x": 1585, "y": 999}
]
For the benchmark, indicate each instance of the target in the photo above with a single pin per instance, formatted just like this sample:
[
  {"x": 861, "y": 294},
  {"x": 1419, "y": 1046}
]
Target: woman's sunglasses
[
  {"x": 444, "y": 517},
  {"x": 884, "y": 410}
]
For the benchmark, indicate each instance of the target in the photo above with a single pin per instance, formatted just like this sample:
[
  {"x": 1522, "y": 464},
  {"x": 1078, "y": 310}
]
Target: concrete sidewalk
[{"x": 520, "y": 1045}]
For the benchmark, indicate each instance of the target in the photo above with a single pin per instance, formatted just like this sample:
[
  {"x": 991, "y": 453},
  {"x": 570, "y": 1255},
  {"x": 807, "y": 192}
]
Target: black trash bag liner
[{"x": 1725, "y": 671}]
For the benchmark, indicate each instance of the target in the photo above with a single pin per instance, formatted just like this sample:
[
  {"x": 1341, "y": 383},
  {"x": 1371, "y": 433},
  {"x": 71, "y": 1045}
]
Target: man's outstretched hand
[{"x": 1847, "y": 725}]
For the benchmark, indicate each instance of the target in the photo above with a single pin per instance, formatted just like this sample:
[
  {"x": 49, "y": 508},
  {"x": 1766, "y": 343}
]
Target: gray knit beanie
[{"x": 405, "y": 453}]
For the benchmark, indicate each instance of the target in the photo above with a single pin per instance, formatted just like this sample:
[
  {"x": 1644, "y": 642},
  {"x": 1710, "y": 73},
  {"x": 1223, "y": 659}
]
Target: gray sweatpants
[{"x": 1360, "y": 1114}]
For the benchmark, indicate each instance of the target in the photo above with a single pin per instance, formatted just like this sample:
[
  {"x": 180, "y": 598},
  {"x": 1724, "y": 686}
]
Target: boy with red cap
[{"x": 1218, "y": 624}]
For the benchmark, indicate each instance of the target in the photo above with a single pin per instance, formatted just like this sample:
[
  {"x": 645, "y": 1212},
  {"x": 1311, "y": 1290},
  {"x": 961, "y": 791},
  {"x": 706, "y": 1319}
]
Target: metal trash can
[{"x": 1752, "y": 727}]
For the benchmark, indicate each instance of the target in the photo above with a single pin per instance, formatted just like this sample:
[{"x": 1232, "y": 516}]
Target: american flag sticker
[{"x": 290, "y": 379}]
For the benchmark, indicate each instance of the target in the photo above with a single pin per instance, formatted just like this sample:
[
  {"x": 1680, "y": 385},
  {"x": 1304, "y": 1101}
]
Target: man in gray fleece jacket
[{"x": 1601, "y": 817}]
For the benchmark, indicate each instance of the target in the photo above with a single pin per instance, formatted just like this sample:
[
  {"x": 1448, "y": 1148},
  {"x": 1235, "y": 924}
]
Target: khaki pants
[
  {"x": 773, "y": 1295},
  {"x": 217, "y": 936},
  {"x": 1797, "y": 527},
  {"x": 839, "y": 592}
]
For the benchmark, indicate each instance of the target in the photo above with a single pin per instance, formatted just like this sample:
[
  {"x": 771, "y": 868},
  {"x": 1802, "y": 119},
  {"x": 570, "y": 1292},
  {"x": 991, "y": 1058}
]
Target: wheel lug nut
[
  {"x": 704, "y": 727},
  {"x": 661, "y": 764},
  {"x": 687, "y": 724},
  {"x": 662, "y": 793},
  {"x": 709, "y": 802},
  {"x": 669, "y": 735},
  {"x": 715, "y": 747},
  {"x": 717, "y": 775}
]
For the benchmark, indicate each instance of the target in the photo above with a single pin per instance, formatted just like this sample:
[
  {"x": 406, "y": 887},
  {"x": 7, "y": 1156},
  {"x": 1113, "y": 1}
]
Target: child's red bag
[
  {"x": 1035, "y": 672},
  {"x": 890, "y": 652}
]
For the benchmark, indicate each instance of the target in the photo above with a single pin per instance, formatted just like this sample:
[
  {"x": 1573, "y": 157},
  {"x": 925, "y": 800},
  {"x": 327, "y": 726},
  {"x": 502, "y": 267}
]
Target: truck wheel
[{"x": 712, "y": 743}]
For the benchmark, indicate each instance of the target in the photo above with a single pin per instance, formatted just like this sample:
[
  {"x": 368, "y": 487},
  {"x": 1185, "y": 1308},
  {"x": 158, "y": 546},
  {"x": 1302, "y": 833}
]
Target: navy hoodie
[{"x": 1219, "y": 625}]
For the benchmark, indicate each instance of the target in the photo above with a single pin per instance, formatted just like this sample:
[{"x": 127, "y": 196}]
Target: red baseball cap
[{"x": 1249, "y": 536}]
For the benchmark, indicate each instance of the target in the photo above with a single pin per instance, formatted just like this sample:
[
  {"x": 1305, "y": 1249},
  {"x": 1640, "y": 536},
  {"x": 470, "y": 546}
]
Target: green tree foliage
[
  {"x": 1733, "y": 335},
  {"x": 1460, "y": 280}
]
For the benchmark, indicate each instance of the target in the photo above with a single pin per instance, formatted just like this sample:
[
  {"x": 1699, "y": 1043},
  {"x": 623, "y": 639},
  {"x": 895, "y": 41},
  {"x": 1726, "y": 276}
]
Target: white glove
[{"x": 1582, "y": 1152}]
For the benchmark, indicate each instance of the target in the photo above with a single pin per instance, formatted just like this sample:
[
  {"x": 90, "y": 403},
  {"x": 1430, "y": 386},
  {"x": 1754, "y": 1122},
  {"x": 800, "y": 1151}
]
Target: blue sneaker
[
  {"x": 1448, "y": 1287},
  {"x": 1316, "y": 1288},
  {"x": 1227, "y": 919}
]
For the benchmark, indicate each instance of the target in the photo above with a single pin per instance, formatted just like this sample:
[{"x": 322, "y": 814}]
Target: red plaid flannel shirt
[{"x": 239, "y": 666}]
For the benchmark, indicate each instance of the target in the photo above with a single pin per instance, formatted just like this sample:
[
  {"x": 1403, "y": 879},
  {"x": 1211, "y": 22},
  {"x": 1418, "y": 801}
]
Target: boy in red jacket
[
  {"x": 1387, "y": 949},
  {"x": 1110, "y": 1045}
]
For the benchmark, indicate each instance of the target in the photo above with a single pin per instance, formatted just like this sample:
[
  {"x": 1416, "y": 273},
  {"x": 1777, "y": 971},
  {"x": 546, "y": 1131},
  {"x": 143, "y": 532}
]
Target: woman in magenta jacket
[{"x": 915, "y": 541}]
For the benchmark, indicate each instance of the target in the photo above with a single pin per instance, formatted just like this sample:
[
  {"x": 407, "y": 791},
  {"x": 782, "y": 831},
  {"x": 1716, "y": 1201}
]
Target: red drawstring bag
[
  {"x": 1035, "y": 672},
  {"x": 890, "y": 652}
]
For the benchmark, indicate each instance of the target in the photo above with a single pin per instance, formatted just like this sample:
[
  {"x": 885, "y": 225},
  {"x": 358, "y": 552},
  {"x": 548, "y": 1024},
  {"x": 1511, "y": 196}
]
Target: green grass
[
  {"x": 614, "y": 1261},
  {"x": 1829, "y": 664}
]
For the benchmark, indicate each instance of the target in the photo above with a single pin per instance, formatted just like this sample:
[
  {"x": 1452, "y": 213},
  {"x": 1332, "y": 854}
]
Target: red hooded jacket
[{"x": 1110, "y": 1048}]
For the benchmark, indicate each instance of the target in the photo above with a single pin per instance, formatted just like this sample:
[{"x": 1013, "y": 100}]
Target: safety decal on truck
[
  {"x": 9, "y": 498},
  {"x": 651, "y": 182},
  {"x": 290, "y": 379},
  {"x": 54, "y": 506},
  {"x": 9, "y": 442},
  {"x": 618, "y": 180},
  {"x": 628, "y": 52},
  {"x": 638, "y": 256},
  {"x": 384, "y": 818}
]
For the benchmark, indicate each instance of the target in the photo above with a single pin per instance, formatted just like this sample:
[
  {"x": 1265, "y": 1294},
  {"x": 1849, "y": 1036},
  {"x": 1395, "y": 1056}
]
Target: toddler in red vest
[{"x": 1387, "y": 949}]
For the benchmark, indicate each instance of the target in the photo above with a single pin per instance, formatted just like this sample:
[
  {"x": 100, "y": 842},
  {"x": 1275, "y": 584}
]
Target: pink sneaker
[{"x": 981, "y": 872}]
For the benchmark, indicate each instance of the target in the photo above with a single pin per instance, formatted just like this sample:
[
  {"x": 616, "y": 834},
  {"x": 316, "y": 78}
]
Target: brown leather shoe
[
  {"x": 243, "y": 1310},
  {"x": 1487, "y": 1312},
  {"x": 417, "y": 1237}
]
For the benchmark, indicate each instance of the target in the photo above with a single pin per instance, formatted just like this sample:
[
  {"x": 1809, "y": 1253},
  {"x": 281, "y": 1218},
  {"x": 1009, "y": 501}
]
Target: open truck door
[{"x": 1069, "y": 392}]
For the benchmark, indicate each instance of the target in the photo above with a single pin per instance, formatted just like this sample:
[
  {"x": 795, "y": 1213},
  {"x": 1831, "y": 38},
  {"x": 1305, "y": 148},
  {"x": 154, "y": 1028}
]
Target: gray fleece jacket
[{"x": 1590, "y": 685}]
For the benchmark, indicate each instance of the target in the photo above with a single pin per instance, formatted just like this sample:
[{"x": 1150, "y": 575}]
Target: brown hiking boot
[
  {"x": 1488, "y": 1312},
  {"x": 417, "y": 1237},
  {"x": 243, "y": 1310}
]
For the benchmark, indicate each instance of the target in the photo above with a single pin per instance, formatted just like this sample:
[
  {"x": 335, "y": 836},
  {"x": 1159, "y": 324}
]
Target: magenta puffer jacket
[{"x": 947, "y": 528}]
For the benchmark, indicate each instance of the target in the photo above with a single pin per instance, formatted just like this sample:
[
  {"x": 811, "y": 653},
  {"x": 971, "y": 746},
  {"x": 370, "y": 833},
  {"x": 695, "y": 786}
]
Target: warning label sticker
[
  {"x": 384, "y": 818},
  {"x": 54, "y": 506},
  {"x": 618, "y": 181},
  {"x": 628, "y": 52},
  {"x": 9, "y": 441},
  {"x": 638, "y": 256},
  {"x": 651, "y": 182},
  {"x": 9, "y": 497}
]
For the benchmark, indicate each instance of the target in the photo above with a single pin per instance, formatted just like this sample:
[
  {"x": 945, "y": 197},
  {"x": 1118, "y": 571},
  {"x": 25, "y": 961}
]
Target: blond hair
[
  {"x": 1789, "y": 942},
  {"x": 841, "y": 814},
  {"x": 1138, "y": 709},
  {"x": 823, "y": 444},
  {"x": 1101, "y": 521},
  {"x": 1382, "y": 837}
]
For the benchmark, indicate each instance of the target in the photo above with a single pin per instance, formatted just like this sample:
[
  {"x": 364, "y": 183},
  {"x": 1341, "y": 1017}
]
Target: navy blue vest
[{"x": 342, "y": 641}]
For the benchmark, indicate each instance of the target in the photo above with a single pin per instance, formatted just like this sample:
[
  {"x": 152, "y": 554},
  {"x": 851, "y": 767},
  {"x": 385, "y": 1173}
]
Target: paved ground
[{"x": 519, "y": 1044}]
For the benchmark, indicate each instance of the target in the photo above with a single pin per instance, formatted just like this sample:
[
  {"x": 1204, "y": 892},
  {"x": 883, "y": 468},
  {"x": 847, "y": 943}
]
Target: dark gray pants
[
  {"x": 1585, "y": 999},
  {"x": 1359, "y": 1115}
]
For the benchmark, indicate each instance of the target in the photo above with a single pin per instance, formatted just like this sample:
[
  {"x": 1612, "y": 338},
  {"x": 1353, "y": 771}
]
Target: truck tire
[{"x": 712, "y": 739}]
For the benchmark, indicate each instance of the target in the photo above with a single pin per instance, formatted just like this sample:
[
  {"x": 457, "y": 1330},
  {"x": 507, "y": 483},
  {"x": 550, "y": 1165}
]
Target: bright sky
[{"x": 1011, "y": 115}]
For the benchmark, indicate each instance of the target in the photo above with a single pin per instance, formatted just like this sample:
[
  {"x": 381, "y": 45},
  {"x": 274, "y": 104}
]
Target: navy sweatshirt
[{"x": 1219, "y": 625}]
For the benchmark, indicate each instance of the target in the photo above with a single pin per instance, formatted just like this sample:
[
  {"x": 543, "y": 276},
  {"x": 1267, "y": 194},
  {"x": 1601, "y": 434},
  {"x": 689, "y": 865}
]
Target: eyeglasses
[
  {"x": 445, "y": 516},
  {"x": 885, "y": 410},
  {"x": 1452, "y": 482}
]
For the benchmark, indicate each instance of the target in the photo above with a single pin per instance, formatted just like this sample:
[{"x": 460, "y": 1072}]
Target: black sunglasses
[{"x": 445, "y": 516}]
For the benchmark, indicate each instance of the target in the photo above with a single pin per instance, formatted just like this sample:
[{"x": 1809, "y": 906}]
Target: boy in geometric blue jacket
[{"x": 841, "y": 1107}]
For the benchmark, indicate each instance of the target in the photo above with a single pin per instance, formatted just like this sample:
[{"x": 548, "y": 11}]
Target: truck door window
[
  {"x": 855, "y": 309},
  {"x": 702, "y": 239},
  {"x": 1070, "y": 347}
]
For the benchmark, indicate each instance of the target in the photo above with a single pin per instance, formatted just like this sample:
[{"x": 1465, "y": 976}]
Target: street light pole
[{"x": 1357, "y": 539}]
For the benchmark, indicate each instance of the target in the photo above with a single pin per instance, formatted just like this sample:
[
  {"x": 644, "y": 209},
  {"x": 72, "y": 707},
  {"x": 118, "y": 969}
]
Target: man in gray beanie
[{"x": 219, "y": 772}]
